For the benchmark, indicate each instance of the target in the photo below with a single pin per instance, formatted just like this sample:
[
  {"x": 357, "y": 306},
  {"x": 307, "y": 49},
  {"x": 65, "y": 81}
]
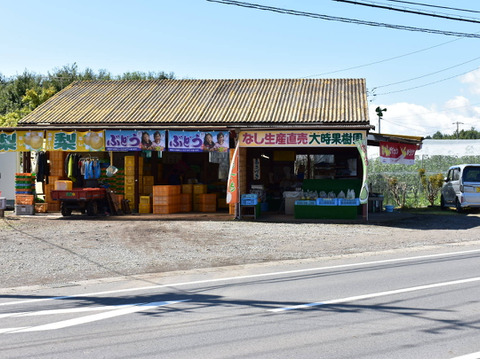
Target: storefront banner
[
  {"x": 91, "y": 141},
  {"x": 30, "y": 140},
  {"x": 75, "y": 140},
  {"x": 396, "y": 153},
  {"x": 21, "y": 140},
  {"x": 232, "y": 182},
  {"x": 198, "y": 141},
  {"x": 362, "y": 149},
  {"x": 8, "y": 141},
  {"x": 305, "y": 138},
  {"x": 129, "y": 140}
]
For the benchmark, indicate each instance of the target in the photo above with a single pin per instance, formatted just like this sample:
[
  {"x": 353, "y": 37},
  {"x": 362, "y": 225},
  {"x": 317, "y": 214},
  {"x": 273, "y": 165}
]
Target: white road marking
[
  {"x": 61, "y": 311},
  {"x": 473, "y": 356},
  {"x": 289, "y": 272},
  {"x": 120, "y": 310},
  {"x": 378, "y": 294}
]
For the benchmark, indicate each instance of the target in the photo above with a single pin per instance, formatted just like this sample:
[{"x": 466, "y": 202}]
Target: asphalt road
[{"x": 396, "y": 305}]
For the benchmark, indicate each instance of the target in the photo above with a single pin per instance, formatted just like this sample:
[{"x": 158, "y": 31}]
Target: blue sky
[{"x": 198, "y": 39}]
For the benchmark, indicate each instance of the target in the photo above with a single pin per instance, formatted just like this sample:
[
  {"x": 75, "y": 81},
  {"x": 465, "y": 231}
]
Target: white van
[{"x": 462, "y": 187}]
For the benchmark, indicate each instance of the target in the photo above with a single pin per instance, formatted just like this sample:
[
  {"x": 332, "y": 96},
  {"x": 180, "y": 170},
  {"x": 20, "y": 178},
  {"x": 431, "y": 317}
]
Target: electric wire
[
  {"x": 342, "y": 19},
  {"x": 425, "y": 75},
  {"x": 423, "y": 85},
  {"x": 434, "y": 6},
  {"x": 406, "y": 10},
  {"x": 384, "y": 60}
]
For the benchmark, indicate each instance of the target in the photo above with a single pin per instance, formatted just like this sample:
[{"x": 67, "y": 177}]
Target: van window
[
  {"x": 472, "y": 174},
  {"x": 456, "y": 174}
]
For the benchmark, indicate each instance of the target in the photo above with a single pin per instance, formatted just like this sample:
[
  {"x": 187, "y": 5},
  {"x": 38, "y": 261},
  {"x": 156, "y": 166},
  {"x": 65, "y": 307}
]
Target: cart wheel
[
  {"x": 65, "y": 210},
  {"x": 92, "y": 208}
]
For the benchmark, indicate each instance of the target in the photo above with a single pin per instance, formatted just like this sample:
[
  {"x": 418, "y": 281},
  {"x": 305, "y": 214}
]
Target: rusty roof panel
[{"x": 170, "y": 102}]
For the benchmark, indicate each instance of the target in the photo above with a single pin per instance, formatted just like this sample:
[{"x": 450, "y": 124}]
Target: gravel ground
[{"x": 48, "y": 249}]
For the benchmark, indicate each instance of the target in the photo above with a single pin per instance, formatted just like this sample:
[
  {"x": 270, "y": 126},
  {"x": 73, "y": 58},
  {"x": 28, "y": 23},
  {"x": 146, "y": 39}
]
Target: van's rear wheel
[
  {"x": 442, "y": 203},
  {"x": 458, "y": 206}
]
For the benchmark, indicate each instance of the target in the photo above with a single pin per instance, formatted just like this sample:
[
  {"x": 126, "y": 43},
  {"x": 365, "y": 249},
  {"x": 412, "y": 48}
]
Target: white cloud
[
  {"x": 472, "y": 78},
  {"x": 418, "y": 120}
]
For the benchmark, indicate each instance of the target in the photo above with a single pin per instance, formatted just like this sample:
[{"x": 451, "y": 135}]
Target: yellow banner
[
  {"x": 91, "y": 141},
  {"x": 301, "y": 138},
  {"x": 30, "y": 140},
  {"x": 75, "y": 140}
]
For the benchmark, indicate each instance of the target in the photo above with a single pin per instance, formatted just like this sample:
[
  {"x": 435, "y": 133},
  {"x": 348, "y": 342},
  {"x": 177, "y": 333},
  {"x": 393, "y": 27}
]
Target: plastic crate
[
  {"x": 348, "y": 202},
  {"x": 249, "y": 196},
  {"x": 249, "y": 201},
  {"x": 24, "y": 199},
  {"x": 305, "y": 202},
  {"x": 327, "y": 202},
  {"x": 25, "y": 209}
]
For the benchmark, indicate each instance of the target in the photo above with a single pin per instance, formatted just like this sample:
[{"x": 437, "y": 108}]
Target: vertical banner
[
  {"x": 232, "y": 182},
  {"x": 362, "y": 149}
]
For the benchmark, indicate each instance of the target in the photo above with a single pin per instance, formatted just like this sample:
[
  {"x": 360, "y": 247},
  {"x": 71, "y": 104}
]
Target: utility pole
[
  {"x": 380, "y": 112},
  {"x": 458, "y": 123}
]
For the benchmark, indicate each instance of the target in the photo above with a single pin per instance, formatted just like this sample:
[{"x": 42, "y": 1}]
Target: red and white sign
[{"x": 396, "y": 153}]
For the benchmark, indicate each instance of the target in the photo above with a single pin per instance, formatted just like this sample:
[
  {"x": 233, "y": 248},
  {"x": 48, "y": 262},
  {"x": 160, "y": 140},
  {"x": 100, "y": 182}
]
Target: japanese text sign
[
  {"x": 198, "y": 141},
  {"x": 300, "y": 138},
  {"x": 125, "y": 140},
  {"x": 75, "y": 140},
  {"x": 21, "y": 140}
]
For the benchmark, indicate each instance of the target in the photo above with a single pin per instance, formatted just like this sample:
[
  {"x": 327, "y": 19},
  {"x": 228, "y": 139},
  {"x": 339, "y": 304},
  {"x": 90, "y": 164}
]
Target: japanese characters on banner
[
  {"x": 362, "y": 149},
  {"x": 75, "y": 140},
  {"x": 395, "y": 153},
  {"x": 301, "y": 138},
  {"x": 21, "y": 140},
  {"x": 232, "y": 181},
  {"x": 198, "y": 141},
  {"x": 132, "y": 140}
]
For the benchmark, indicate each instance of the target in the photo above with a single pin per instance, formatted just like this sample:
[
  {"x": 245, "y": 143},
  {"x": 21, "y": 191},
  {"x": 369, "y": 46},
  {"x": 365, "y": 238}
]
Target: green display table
[{"x": 325, "y": 212}]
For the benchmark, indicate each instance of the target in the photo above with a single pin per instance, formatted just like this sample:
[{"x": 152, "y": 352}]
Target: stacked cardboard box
[
  {"x": 207, "y": 202},
  {"x": 129, "y": 181},
  {"x": 57, "y": 163},
  {"x": 52, "y": 205},
  {"x": 198, "y": 189},
  {"x": 166, "y": 199},
  {"x": 148, "y": 182}
]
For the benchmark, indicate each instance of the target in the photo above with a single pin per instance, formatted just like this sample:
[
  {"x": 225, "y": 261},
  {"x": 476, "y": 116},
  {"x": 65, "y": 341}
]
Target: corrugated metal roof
[{"x": 215, "y": 102}]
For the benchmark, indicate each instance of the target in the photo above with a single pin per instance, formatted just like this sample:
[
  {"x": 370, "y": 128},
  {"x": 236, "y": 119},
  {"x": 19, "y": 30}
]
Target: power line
[
  {"x": 422, "y": 76},
  {"x": 405, "y": 10},
  {"x": 430, "y": 83},
  {"x": 434, "y": 6},
  {"x": 342, "y": 19},
  {"x": 384, "y": 60}
]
